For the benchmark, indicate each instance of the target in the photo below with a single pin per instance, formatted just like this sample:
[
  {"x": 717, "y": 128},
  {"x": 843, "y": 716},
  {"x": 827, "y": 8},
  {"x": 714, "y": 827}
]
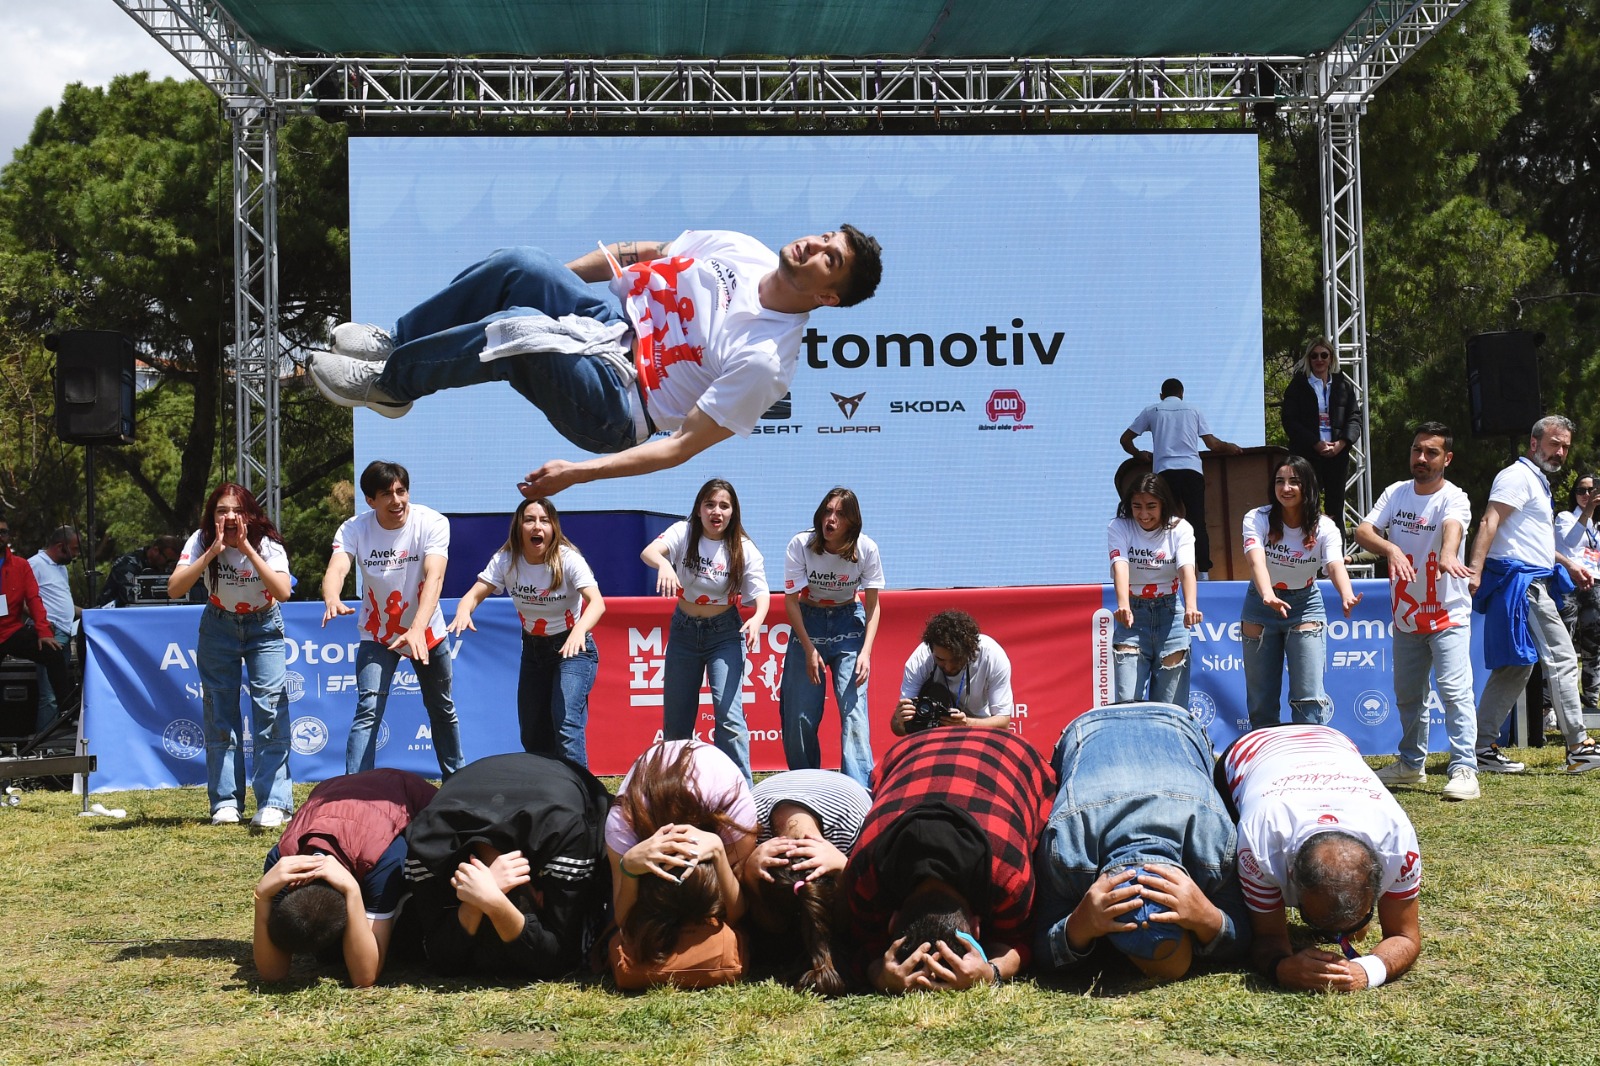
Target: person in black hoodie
[{"x": 508, "y": 867}]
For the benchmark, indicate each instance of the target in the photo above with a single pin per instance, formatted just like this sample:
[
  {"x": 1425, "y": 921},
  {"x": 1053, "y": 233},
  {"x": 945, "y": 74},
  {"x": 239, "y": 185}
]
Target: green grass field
[{"x": 129, "y": 941}]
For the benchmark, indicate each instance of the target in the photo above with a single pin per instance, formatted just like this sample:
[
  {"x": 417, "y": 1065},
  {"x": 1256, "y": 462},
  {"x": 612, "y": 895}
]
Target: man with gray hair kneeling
[{"x": 1319, "y": 831}]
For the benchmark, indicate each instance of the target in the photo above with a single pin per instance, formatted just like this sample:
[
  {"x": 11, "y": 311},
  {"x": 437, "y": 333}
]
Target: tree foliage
[{"x": 118, "y": 214}]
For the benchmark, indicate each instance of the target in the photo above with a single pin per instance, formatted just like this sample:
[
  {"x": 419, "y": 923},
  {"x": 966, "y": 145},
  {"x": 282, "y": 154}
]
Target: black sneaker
[{"x": 1492, "y": 760}]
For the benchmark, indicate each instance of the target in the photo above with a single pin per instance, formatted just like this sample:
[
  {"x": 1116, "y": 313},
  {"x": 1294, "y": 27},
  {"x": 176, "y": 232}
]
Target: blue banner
[{"x": 1359, "y": 678}]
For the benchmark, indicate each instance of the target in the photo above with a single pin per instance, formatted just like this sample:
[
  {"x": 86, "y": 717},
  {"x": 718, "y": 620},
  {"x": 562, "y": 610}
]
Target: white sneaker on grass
[
  {"x": 225, "y": 816},
  {"x": 1463, "y": 785},
  {"x": 268, "y": 818},
  {"x": 352, "y": 383},
  {"x": 1400, "y": 772},
  {"x": 1583, "y": 758},
  {"x": 357, "y": 340}
]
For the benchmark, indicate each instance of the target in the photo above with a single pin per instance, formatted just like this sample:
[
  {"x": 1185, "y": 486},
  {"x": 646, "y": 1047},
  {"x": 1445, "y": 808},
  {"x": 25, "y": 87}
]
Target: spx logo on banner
[
  {"x": 1356, "y": 659},
  {"x": 183, "y": 739}
]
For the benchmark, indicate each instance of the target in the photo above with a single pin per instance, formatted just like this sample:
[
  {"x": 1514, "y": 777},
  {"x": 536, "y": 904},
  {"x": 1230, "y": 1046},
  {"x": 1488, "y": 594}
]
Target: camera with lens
[{"x": 933, "y": 702}]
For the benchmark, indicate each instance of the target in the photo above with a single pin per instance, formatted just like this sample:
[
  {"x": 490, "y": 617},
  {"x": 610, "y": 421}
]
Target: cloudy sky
[{"x": 47, "y": 44}]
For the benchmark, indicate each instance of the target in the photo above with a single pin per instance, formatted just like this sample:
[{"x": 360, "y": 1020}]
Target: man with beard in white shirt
[
  {"x": 1418, "y": 525},
  {"x": 1516, "y": 568}
]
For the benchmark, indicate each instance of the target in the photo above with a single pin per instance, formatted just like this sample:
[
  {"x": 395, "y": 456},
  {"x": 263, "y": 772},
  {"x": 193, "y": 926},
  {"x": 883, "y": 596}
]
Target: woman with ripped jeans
[{"x": 1286, "y": 543}]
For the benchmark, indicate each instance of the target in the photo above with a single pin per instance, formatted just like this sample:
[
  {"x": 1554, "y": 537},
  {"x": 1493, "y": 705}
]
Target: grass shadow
[{"x": 202, "y": 948}]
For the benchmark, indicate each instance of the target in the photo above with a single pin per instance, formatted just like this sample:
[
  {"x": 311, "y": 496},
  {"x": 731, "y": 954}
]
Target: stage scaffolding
[{"x": 260, "y": 89}]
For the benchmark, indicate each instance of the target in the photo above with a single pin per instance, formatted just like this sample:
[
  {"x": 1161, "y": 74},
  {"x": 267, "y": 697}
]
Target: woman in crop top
[
  {"x": 830, "y": 629},
  {"x": 558, "y": 603},
  {"x": 712, "y": 568},
  {"x": 238, "y": 553},
  {"x": 1286, "y": 543},
  {"x": 1152, "y": 570}
]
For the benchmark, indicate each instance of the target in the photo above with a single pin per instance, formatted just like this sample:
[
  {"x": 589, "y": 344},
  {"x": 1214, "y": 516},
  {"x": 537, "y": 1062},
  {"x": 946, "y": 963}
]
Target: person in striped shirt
[{"x": 1318, "y": 831}]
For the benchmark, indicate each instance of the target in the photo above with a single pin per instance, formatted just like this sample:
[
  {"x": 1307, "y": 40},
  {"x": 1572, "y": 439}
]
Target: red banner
[{"x": 1048, "y": 633}]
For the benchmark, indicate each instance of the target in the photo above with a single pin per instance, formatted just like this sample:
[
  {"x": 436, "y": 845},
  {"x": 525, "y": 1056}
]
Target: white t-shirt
[
  {"x": 982, "y": 688},
  {"x": 544, "y": 611},
  {"x": 717, "y": 781},
  {"x": 390, "y": 564},
  {"x": 1433, "y": 600},
  {"x": 1175, "y": 429},
  {"x": 1528, "y": 533},
  {"x": 703, "y": 575},
  {"x": 1153, "y": 557},
  {"x": 1580, "y": 542},
  {"x": 1292, "y": 782},
  {"x": 826, "y": 580},
  {"x": 1290, "y": 564},
  {"x": 703, "y": 338},
  {"x": 238, "y": 588}
]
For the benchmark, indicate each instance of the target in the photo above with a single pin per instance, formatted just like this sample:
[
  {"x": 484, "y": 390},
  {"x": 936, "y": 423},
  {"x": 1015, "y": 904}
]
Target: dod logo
[
  {"x": 1005, "y": 403},
  {"x": 295, "y": 682},
  {"x": 183, "y": 739},
  {"x": 308, "y": 735},
  {"x": 1372, "y": 707},
  {"x": 1202, "y": 708}
]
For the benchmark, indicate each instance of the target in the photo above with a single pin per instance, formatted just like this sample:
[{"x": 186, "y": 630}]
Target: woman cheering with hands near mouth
[{"x": 709, "y": 564}]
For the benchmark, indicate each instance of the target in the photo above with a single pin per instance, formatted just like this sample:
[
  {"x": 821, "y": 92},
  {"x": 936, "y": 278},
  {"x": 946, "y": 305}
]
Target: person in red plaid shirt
[{"x": 940, "y": 885}]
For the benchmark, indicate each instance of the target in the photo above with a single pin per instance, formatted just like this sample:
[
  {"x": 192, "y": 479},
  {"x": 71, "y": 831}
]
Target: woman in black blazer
[{"x": 1322, "y": 417}]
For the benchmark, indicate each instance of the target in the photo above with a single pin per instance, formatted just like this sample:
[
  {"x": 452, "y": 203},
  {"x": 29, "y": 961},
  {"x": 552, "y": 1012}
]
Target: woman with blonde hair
[{"x": 1322, "y": 418}]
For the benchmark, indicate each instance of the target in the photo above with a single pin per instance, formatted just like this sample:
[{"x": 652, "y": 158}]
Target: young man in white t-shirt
[
  {"x": 971, "y": 668},
  {"x": 401, "y": 549},
  {"x": 1418, "y": 525},
  {"x": 714, "y": 320},
  {"x": 1514, "y": 556}
]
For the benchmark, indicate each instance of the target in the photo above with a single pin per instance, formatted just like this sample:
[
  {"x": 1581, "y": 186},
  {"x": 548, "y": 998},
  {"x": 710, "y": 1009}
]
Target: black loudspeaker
[
  {"x": 1503, "y": 383},
  {"x": 94, "y": 386}
]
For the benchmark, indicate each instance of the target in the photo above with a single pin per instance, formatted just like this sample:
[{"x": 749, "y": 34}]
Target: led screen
[{"x": 1037, "y": 289}]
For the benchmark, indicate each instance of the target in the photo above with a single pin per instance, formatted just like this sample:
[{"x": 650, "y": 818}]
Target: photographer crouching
[{"x": 956, "y": 676}]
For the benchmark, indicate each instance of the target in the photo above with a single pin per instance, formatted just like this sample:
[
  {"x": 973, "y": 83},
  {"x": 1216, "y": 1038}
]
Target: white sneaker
[
  {"x": 357, "y": 340},
  {"x": 267, "y": 818},
  {"x": 352, "y": 383},
  {"x": 1583, "y": 758},
  {"x": 1463, "y": 785},
  {"x": 225, "y": 816},
  {"x": 1401, "y": 773}
]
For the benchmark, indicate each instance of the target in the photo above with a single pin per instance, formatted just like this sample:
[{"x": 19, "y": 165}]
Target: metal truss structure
[{"x": 260, "y": 89}]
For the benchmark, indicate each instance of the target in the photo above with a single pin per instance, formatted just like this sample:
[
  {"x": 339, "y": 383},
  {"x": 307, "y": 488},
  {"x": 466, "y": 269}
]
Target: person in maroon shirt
[{"x": 940, "y": 886}]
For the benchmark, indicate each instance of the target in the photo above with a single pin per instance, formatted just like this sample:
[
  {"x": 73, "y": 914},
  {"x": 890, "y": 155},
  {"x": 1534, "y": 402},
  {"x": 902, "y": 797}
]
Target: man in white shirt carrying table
[
  {"x": 1418, "y": 525},
  {"x": 697, "y": 336},
  {"x": 402, "y": 549}
]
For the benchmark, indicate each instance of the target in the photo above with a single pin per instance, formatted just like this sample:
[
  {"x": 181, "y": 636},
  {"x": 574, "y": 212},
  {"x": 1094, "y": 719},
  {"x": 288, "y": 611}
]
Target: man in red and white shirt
[
  {"x": 1418, "y": 525},
  {"x": 1318, "y": 831},
  {"x": 697, "y": 336},
  {"x": 401, "y": 549}
]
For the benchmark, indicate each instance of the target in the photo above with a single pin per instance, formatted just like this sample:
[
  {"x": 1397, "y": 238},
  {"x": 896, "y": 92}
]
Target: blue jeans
[
  {"x": 838, "y": 633},
  {"x": 438, "y": 341},
  {"x": 228, "y": 645},
  {"x": 711, "y": 649},
  {"x": 1136, "y": 788},
  {"x": 375, "y": 666},
  {"x": 1448, "y": 653},
  {"x": 1305, "y": 650},
  {"x": 1157, "y": 632},
  {"x": 553, "y": 696}
]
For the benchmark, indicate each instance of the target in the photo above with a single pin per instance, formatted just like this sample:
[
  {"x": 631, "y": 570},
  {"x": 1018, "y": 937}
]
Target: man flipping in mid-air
[{"x": 697, "y": 336}]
